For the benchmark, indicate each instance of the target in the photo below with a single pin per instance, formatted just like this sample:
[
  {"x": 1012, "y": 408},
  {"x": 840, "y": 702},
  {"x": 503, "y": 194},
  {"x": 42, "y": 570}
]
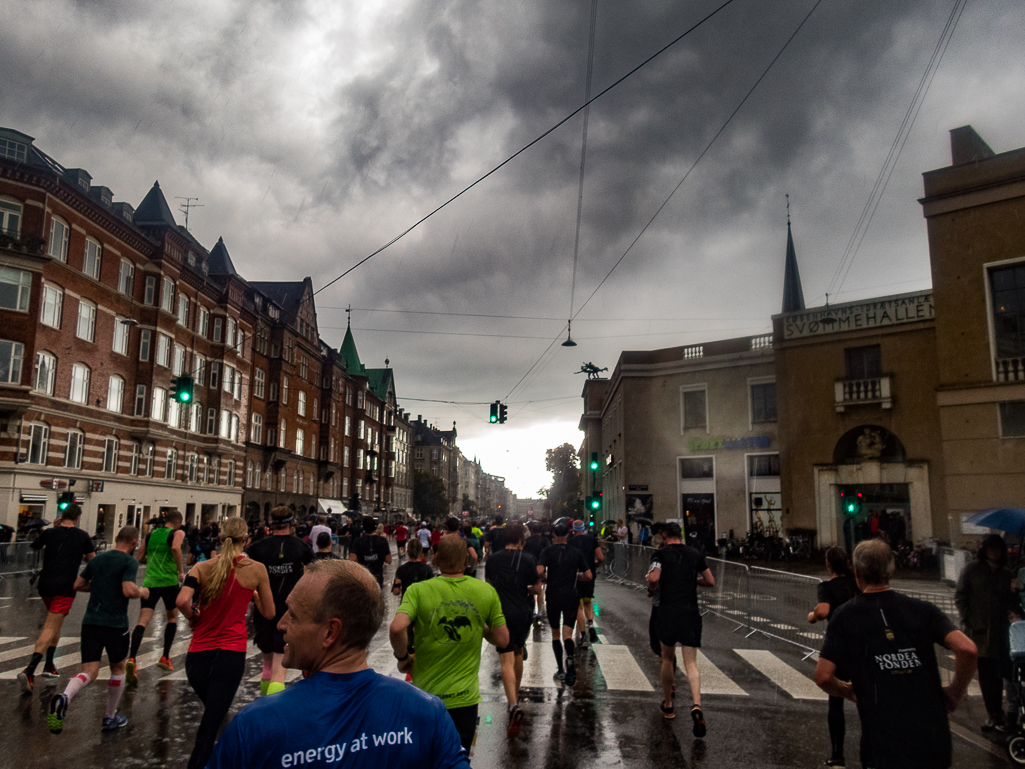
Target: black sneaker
[
  {"x": 699, "y": 722},
  {"x": 524, "y": 653},
  {"x": 571, "y": 675},
  {"x": 593, "y": 634},
  {"x": 26, "y": 680},
  {"x": 50, "y": 671}
]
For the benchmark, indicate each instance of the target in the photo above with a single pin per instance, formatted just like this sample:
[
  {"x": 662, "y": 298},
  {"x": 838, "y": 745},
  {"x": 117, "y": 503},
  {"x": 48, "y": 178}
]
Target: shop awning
[
  {"x": 33, "y": 499},
  {"x": 337, "y": 508}
]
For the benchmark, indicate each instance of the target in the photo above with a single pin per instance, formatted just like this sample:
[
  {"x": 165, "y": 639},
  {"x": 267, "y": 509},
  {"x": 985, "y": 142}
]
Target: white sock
[
  {"x": 115, "y": 686},
  {"x": 76, "y": 684}
]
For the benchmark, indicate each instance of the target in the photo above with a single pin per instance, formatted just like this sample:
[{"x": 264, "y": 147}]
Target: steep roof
[
  {"x": 219, "y": 261},
  {"x": 380, "y": 379},
  {"x": 793, "y": 294},
  {"x": 288, "y": 294},
  {"x": 350, "y": 356},
  {"x": 153, "y": 210}
]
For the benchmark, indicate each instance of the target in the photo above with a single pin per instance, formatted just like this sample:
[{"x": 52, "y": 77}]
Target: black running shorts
[
  {"x": 679, "y": 626},
  {"x": 519, "y": 629},
  {"x": 97, "y": 638},
  {"x": 564, "y": 607},
  {"x": 156, "y": 594},
  {"x": 585, "y": 589},
  {"x": 268, "y": 638}
]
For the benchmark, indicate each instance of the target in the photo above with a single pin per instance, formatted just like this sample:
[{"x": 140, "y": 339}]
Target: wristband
[{"x": 403, "y": 658}]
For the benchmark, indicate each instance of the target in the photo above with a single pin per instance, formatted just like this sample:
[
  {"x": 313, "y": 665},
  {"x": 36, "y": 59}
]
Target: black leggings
[
  {"x": 465, "y": 720},
  {"x": 214, "y": 676},
  {"x": 837, "y": 726}
]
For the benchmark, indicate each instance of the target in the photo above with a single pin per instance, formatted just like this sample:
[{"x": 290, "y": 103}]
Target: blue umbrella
[{"x": 1010, "y": 519}]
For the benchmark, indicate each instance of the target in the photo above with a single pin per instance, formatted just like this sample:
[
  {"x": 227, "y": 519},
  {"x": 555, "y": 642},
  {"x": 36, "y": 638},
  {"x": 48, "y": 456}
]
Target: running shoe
[
  {"x": 559, "y": 676},
  {"x": 116, "y": 721},
  {"x": 165, "y": 664},
  {"x": 130, "y": 676},
  {"x": 571, "y": 675},
  {"x": 49, "y": 671},
  {"x": 699, "y": 721},
  {"x": 58, "y": 710},
  {"x": 838, "y": 762},
  {"x": 515, "y": 723},
  {"x": 593, "y": 634},
  {"x": 524, "y": 653},
  {"x": 667, "y": 712},
  {"x": 26, "y": 680}
]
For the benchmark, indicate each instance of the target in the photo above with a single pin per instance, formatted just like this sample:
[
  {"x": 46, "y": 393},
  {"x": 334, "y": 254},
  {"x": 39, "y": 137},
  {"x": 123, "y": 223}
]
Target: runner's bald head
[
  {"x": 452, "y": 555},
  {"x": 351, "y": 594}
]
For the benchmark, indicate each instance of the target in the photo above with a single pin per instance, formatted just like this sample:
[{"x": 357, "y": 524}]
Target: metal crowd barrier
[{"x": 19, "y": 558}]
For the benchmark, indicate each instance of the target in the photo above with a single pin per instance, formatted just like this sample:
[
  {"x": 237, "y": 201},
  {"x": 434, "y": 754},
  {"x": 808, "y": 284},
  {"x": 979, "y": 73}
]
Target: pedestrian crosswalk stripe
[
  {"x": 11, "y": 639},
  {"x": 539, "y": 668},
  {"x": 150, "y": 659},
  {"x": 713, "y": 680},
  {"x": 792, "y": 681},
  {"x": 620, "y": 669},
  {"x": 25, "y": 651},
  {"x": 180, "y": 674}
]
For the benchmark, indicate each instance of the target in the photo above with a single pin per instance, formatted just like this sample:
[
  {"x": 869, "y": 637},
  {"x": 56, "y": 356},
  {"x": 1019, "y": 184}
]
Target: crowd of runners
[{"x": 316, "y": 612}]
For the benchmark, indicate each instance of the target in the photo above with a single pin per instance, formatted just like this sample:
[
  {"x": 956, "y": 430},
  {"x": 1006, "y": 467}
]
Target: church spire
[{"x": 793, "y": 294}]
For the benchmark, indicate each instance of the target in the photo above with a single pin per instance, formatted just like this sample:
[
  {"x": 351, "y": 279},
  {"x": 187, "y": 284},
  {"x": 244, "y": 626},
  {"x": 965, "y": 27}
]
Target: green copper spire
[{"x": 349, "y": 355}]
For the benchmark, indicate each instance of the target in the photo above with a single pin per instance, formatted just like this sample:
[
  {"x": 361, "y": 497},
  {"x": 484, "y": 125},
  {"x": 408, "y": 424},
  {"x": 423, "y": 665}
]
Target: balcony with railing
[
  {"x": 1010, "y": 369},
  {"x": 863, "y": 392}
]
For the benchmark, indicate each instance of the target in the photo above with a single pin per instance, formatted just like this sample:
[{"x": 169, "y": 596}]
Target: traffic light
[
  {"x": 596, "y": 502},
  {"x": 594, "y": 461},
  {"x": 181, "y": 389},
  {"x": 64, "y": 500},
  {"x": 851, "y": 504},
  {"x": 494, "y": 412},
  {"x": 503, "y": 411}
]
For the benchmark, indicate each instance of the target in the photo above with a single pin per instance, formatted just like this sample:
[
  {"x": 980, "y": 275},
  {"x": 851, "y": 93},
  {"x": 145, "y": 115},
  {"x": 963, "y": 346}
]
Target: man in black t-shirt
[
  {"x": 371, "y": 550},
  {"x": 588, "y": 545},
  {"x": 886, "y": 641},
  {"x": 564, "y": 565},
  {"x": 677, "y": 570},
  {"x": 285, "y": 556},
  {"x": 494, "y": 539},
  {"x": 513, "y": 574},
  {"x": 535, "y": 545},
  {"x": 64, "y": 547}
]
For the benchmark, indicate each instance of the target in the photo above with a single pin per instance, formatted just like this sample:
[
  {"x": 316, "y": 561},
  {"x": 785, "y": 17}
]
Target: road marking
[
  {"x": 620, "y": 669},
  {"x": 792, "y": 681},
  {"x": 26, "y": 651},
  {"x": 11, "y": 639},
  {"x": 150, "y": 659},
  {"x": 540, "y": 667},
  {"x": 713, "y": 680},
  {"x": 967, "y": 736}
]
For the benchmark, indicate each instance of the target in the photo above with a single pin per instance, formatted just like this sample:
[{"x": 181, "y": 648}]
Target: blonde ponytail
[{"x": 233, "y": 539}]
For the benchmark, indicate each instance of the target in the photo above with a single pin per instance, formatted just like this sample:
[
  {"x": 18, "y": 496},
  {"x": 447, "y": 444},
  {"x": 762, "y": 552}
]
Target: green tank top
[{"x": 161, "y": 570}]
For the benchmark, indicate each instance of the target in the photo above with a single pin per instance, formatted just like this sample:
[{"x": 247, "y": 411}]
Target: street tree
[
  {"x": 564, "y": 492},
  {"x": 430, "y": 502}
]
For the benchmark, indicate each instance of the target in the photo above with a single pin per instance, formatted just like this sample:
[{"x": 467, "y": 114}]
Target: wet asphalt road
[{"x": 609, "y": 719}]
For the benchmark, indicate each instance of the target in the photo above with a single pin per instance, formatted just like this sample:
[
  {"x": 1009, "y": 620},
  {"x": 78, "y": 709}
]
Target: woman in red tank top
[{"x": 215, "y": 598}]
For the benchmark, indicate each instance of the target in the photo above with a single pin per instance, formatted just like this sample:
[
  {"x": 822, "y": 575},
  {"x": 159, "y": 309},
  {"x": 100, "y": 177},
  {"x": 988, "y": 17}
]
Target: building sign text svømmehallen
[{"x": 907, "y": 308}]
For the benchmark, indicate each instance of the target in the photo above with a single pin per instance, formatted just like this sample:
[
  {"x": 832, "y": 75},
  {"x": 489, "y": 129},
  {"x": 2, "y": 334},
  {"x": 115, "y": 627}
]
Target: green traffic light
[
  {"x": 185, "y": 397},
  {"x": 494, "y": 418},
  {"x": 594, "y": 465},
  {"x": 595, "y": 504}
]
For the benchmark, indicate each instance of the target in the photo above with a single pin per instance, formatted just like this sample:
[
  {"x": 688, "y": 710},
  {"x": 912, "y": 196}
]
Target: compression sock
[
  {"x": 137, "y": 635},
  {"x": 49, "y": 658},
  {"x": 557, "y": 648},
  {"x": 115, "y": 686},
  {"x": 273, "y": 687},
  {"x": 34, "y": 663},
  {"x": 268, "y": 665},
  {"x": 75, "y": 685},
  {"x": 568, "y": 643},
  {"x": 169, "y": 632}
]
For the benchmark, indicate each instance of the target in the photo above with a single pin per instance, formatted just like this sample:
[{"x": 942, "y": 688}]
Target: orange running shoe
[{"x": 165, "y": 664}]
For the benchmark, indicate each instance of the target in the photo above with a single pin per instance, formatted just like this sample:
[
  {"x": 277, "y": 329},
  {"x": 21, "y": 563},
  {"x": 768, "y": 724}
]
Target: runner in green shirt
[{"x": 450, "y": 615}]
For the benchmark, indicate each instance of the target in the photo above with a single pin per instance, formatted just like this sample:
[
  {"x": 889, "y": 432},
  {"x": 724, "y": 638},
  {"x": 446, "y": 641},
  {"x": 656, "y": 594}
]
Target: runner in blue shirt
[{"x": 344, "y": 714}]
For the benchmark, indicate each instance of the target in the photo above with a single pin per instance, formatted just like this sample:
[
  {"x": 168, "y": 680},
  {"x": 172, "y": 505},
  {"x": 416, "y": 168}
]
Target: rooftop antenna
[
  {"x": 186, "y": 206},
  {"x": 348, "y": 313}
]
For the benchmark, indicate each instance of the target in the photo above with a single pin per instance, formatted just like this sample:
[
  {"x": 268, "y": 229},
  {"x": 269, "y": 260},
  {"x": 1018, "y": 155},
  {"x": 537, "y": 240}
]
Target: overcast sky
[{"x": 314, "y": 132}]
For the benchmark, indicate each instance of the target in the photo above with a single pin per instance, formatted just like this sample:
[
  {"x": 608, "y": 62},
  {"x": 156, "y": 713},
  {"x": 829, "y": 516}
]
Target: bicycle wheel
[{"x": 1016, "y": 749}]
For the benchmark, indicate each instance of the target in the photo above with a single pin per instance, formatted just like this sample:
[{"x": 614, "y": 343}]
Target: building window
[
  {"x": 315, "y": 414},
  {"x": 163, "y": 350},
  {"x": 231, "y": 472},
  {"x": 90, "y": 258},
  {"x": 229, "y": 378},
  {"x": 249, "y": 475},
  {"x": 120, "y": 341},
  {"x": 149, "y": 453},
  {"x": 195, "y": 417},
  {"x": 115, "y": 394},
  {"x": 140, "y": 400},
  {"x": 133, "y": 459},
  {"x": 1012, "y": 419},
  {"x": 240, "y": 346},
  {"x": 192, "y": 468},
  {"x": 50, "y": 310},
  {"x": 359, "y": 459},
  {"x": 257, "y": 476},
  {"x": 218, "y": 326},
  {"x": 86, "y": 328},
  {"x": 281, "y": 480},
  {"x": 110, "y": 452},
  {"x": 167, "y": 295},
  {"x": 345, "y": 456},
  {"x": 215, "y": 471},
  {"x": 38, "y": 443},
  {"x": 334, "y": 416},
  {"x": 304, "y": 367},
  {"x": 256, "y": 429},
  {"x": 203, "y": 327},
  {"x": 215, "y": 375},
  {"x": 301, "y": 403},
  {"x": 58, "y": 245},
  {"x": 10, "y": 215},
  {"x": 300, "y": 440},
  {"x": 284, "y": 391},
  {"x": 273, "y": 394},
  {"x": 225, "y": 424},
  {"x": 211, "y": 421},
  {"x": 145, "y": 336},
  {"x": 359, "y": 399},
  {"x": 763, "y": 403},
  {"x": 229, "y": 337},
  {"x": 149, "y": 295},
  {"x": 15, "y": 287},
  {"x": 234, "y": 427},
  {"x": 347, "y": 430},
  {"x": 179, "y": 360},
  {"x": 183, "y": 310},
  {"x": 199, "y": 369},
  {"x": 12, "y": 354},
  {"x": 174, "y": 413},
  {"x": 1008, "y": 287},
  {"x": 73, "y": 451},
  {"x": 362, "y": 430},
  {"x": 125, "y": 277},
  {"x": 763, "y": 465},
  {"x": 79, "y": 383},
  {"x": 282, "y": 434},
  {"x": 259, "y": 382},
  {"x": 158, "y": 407},
  {"x": 171, "y": 465},
  {"x": 694, "y": 406},
  {"x": 863, "y": 362},
  {"x": 697, "y": 467}
]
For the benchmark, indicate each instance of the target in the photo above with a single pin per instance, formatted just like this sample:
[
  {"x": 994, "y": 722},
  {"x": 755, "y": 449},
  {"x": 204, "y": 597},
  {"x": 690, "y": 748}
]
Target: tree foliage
[
  {"x": 564, "y": 492},
  {"x": 430, "y": 502}
]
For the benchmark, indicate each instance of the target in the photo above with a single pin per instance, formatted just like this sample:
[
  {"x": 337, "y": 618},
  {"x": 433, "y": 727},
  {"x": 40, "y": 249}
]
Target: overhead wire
[
  {"x": 530, "y": 317},
  {"x": 896, "y": 147},
  {"x": 527, "y": 146}
]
